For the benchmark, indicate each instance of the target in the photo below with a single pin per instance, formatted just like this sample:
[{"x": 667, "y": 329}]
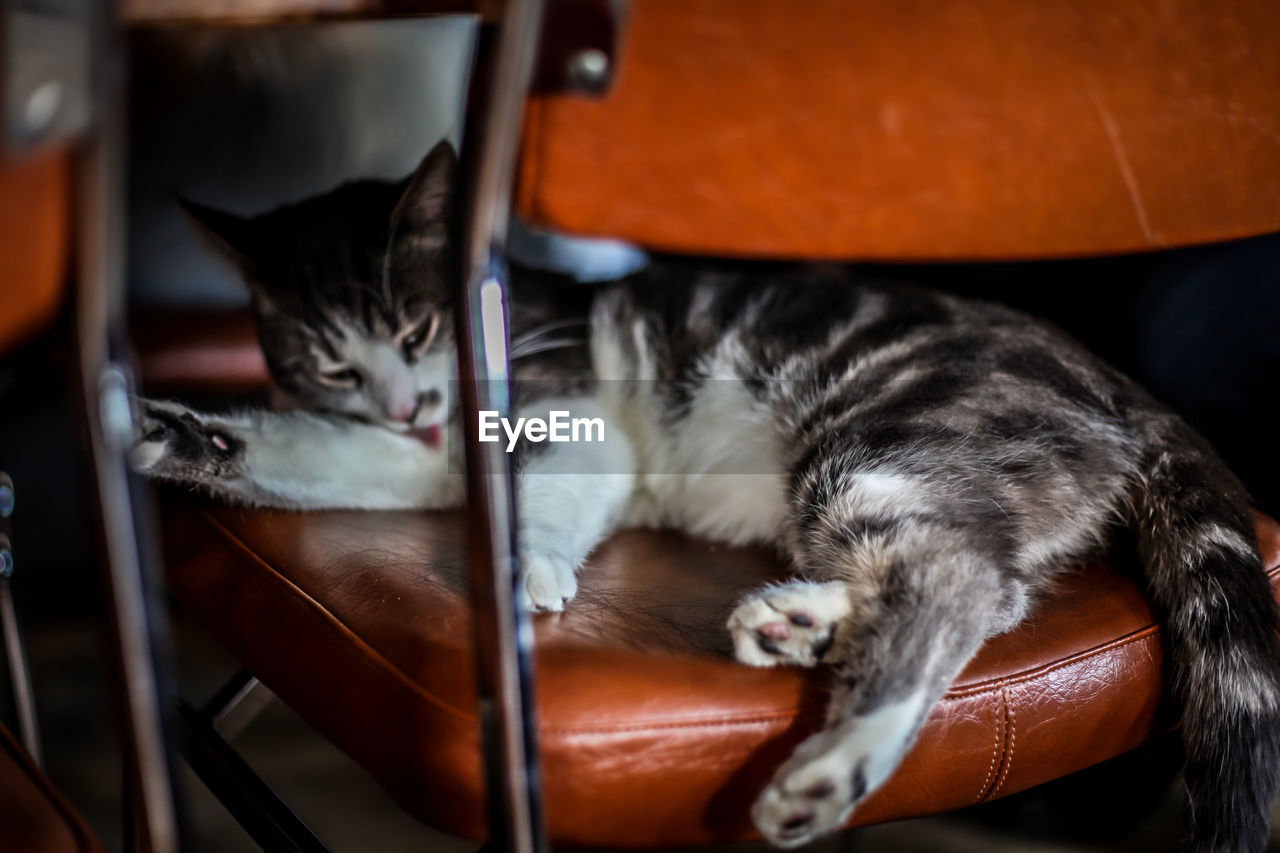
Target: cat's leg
[
  {"x": 898, "y": 605},
  {"x": 293, "y": 460},
  {"x": 571, "y": 494}
]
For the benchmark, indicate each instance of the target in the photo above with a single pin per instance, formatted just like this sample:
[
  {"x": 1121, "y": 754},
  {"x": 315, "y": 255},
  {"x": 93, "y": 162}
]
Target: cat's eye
[
  {"x": 347, "y": 377},
  {"x": 420, "y": 336}
]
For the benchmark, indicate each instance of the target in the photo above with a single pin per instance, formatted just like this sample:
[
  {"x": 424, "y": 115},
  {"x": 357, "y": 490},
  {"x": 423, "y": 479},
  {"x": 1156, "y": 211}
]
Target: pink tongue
[{"x": 430, "y": 436}]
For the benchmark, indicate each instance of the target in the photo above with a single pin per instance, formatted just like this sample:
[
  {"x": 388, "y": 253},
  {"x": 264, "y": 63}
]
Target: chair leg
[
  {"x": 19, "y": 672},
  {"x": 253, "y": 804},
  {"x": 237, "y": 704},
  {"x": 503, "y": 635}
]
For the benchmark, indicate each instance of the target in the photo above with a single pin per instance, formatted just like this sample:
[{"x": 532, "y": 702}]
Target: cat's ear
[
  {"x": 236, "y": 237},
  {"x": 421, "y": 216},
  {"x": 239, "y": 239}
]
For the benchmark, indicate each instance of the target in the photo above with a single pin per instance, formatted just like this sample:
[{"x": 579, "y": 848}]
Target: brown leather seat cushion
[
  {"x": 34, "y": 818},
  {"x": 651, "y": 734},
  {"x": 916, "y": 130}
]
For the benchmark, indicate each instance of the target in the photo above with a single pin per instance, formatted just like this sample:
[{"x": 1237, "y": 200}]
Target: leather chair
[
  {"x": 893, "y": 131},
  {"x": 651, "y": 735}
]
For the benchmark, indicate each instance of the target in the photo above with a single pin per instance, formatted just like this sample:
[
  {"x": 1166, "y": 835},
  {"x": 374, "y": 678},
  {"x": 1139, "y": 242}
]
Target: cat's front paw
[
  {"x": 548, "y": 581},
  {"x": 795, "y": 623},
  {"x": 174, "y": 443}
]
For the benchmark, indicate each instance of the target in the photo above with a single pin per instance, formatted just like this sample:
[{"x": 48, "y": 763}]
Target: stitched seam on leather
[
  {"x": 995, "y": 748},
  {"x": 1012, "y": 732},
  {"x": 1144, "y": 633},
  {"x": 328, "y": 619},
  {"x": 979, "y": 687},
  {"x": 726, "y": 723}
]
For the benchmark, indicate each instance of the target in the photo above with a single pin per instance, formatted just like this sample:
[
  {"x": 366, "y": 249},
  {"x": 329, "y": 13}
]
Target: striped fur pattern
[{"x": 928, "y": 465}]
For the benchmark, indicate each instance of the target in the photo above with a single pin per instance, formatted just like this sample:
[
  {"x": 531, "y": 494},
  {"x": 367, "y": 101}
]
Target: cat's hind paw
[
  {"x": 817, "y": 789},
  {"x": 174, "y": 443},
  {"x": 812, "y": 794},
  {"x": 548, "y": 581},
  {"x": 795, "y": 623}
]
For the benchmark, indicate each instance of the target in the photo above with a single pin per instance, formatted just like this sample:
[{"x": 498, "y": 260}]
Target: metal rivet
[
  {"x": 588, "y": 69},
  {"x": 42, "y": 106}
]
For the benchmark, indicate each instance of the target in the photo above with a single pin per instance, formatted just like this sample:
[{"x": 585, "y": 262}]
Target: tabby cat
[{"x": 928, "y": 464}]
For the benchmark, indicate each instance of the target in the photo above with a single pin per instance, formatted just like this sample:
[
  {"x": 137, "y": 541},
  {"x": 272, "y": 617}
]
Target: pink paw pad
[{"x": 775, "y": 630}]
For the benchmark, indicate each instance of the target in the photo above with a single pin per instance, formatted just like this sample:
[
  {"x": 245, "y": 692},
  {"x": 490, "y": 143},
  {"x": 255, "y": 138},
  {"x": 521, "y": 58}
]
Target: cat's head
[{"x": 352, "y": 293}]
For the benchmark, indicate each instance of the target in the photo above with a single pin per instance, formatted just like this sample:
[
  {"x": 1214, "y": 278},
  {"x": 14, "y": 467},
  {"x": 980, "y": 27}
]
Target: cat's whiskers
[
  {"x": 544, "y": 346},
  {"x": 536, "y": 340}
]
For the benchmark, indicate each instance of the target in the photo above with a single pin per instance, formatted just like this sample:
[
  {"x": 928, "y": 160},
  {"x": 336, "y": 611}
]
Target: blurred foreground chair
[
  {"x": 60, "y": 245},
  {"x": 34, "y": 245},
  {"x": 826, "y": 130}
]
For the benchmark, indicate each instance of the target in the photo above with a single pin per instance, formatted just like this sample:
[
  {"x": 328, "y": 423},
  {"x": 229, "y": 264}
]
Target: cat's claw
[
  {"x": 795, "y": 623},
  {"x": 549, "y": 581}
]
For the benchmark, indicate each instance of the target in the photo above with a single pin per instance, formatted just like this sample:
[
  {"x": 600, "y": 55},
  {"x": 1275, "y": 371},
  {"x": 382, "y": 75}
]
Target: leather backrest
[
  {"x": 34, "y": 242},
  {"x": 920, "y": 130}
]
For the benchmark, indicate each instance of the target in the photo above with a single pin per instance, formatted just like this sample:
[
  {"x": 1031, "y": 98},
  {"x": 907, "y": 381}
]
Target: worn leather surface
[
  {"x": 34, "y": 817},
  {"x": 198, "y": 351},
  {"x": 34, "y": 242},
  {"x": 651, "y": 734},
  {"x": 920, "y": 130}
]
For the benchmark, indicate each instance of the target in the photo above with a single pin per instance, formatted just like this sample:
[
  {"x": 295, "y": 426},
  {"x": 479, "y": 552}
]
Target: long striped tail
[{"x": 1204, "y": 574}]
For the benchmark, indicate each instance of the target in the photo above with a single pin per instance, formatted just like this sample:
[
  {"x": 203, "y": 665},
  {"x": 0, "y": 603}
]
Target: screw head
[
  {"x": 42, "y": 106},
  {"x": 588, "y": 69}
]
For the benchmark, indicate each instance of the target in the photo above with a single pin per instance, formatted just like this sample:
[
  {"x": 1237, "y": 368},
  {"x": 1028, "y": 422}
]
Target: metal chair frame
[
  {"x": 506, "y": 57},
  {"x": 15, "y": 652}
]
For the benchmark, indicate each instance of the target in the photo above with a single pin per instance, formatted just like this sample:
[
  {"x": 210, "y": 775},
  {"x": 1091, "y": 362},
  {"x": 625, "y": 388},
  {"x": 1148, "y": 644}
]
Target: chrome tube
[
  {"x": 136, "y": 610},
  {"x": 20, "y": 674},
  {"x": 503, "y": 634},
  {"x": 24, "y": 698}
]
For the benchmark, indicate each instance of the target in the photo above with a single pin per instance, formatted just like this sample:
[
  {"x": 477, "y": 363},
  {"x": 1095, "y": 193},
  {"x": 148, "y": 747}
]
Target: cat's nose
[
  {"x": 424, "y": 400},
  {"x": 403, "y": 413}
]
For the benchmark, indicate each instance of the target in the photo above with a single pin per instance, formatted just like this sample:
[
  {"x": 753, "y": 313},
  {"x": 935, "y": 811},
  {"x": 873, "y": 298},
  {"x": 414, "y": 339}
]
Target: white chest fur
[{"x": 716, "y": 471}]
